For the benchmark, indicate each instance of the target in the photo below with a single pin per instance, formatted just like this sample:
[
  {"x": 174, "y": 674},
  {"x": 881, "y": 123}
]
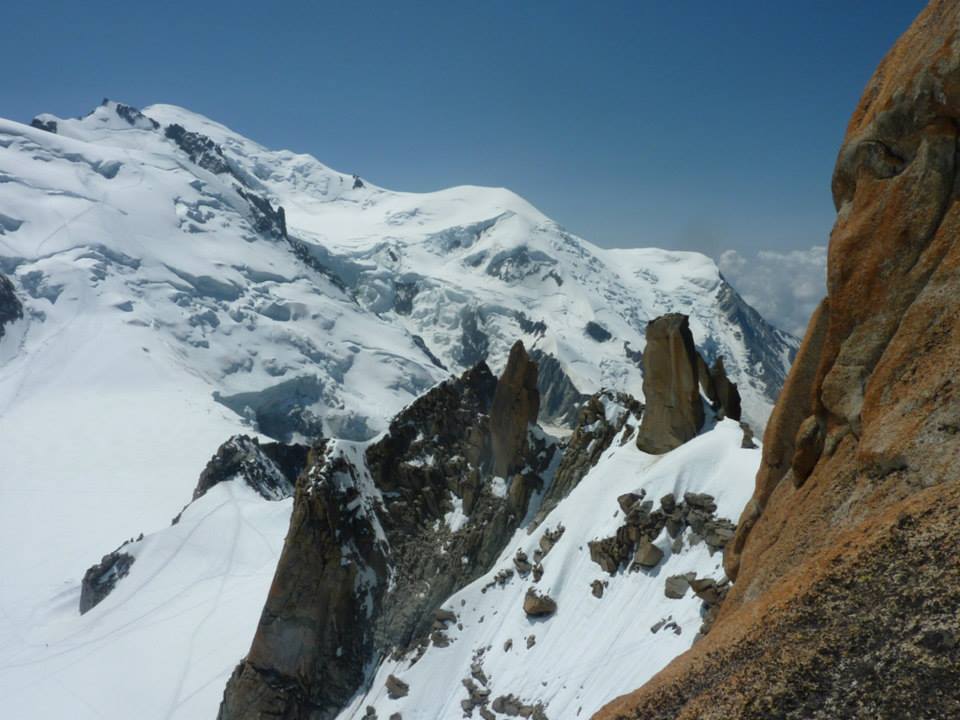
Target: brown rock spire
[
  {"x": 673, "y": 411},
  {"x": 516, "y": 403}
]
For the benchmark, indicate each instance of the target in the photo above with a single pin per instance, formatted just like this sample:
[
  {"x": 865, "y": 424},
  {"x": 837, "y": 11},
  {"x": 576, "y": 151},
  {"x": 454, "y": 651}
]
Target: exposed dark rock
[
  {"x": 134, "y": 117},
  {"x": 635, "y": 355},
  {"x": 199, "y": 148},
  {"x": 668, "y": 503},
  {"x": 419, "y": 342},
  {"x": 10, "y": 307},
  {"x": 517, "y": 263},
  {"x": 41, "y": 124},
  {"x": 702, "y": 501},
  {"x": 405, "y": 292},
  {"x": 673, "y": 411},
  {"x": 357, "y": 182},
  {"x": 549, "y": 539},
  {"x": 648, "y": 555},
  {"x": 100, "y": 580},
  {"x": 727, "y": 395},
  {"x": 396, "y": 688},
  {"x": 596, "y": 588},
  {"x": 676, "y": 586},
  {"x": 269, "y": 468},
  {"x": 560, "y": 400},
  {"x": 531, "y": 327},
  {"x": 628, "y": 500},
  {"x": 597, "y": 332},
  {"x": 590, "y": 439},
  {"x": 642, "y": 525},
  {"x": 512, "y": 706},
  {"x": 537, "y": 605},
  {"x": 474, "y": 343},
  {"x": 266, "y": 219},
  {"x": 522, "y": 563},
  {"x": 707, "y": 385}
]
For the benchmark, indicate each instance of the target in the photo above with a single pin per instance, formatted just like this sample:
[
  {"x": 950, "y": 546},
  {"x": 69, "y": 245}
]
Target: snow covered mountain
[{"x": 177, "y": 284}]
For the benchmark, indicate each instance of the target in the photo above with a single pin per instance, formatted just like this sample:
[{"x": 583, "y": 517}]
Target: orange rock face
[{"x": 847, "y": 559}]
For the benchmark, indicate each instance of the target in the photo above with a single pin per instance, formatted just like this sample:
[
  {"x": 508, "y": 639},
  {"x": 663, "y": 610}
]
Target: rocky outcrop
[
  {"x": 673, "y": 410},
  {"x": 10, "y": 307},
  {"x": 100, "y": 580},
  {"x": 516, "y": 405},
  {"x": 377, "y": 543},
  {"x": 642, "y": 525},
  {"x": 847, "y": 585},
  {"x": 199, "y": 148},
  {"x": 270, "y": 468}
]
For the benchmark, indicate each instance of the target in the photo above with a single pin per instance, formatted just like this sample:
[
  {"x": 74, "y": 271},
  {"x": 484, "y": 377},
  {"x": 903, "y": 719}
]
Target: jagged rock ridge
[{"x": 379, "y": 541}]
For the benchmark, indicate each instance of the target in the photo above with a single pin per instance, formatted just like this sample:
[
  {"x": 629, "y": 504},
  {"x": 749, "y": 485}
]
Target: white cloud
[{"x": 784, "y": 287}]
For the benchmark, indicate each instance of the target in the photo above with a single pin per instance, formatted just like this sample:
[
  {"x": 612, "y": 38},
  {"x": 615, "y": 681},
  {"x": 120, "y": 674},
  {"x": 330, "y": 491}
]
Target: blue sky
[{"x": 694, "y": 125}]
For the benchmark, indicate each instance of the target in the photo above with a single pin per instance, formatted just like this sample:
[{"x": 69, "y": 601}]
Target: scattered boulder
[
  {"x": 596, "y": 588},
  {"x": 550, "y": 538},
  {"x": 444, "y": 616},
  {"x": 628, "y": 500},
  {"x": 717, "y": 532},
  {"x": 396, "y": 688},
  {"x": 671, "y": 386},
  {"x": 700, "y": 501},
  {"x": 676, "y": 586},
  {"x": 668, "y": 503},
  {"x": 537, "y": 605},
  {"x": 648, "y": 555},
  {"x": 522, "y": 563}
]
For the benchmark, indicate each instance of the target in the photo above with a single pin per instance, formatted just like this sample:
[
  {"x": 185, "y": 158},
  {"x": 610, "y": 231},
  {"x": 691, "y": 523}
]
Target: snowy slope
[{"x": 164, "y": 642}]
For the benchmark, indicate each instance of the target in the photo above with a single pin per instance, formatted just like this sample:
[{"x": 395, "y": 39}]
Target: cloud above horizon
[{"x": 784, "y": 286}]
